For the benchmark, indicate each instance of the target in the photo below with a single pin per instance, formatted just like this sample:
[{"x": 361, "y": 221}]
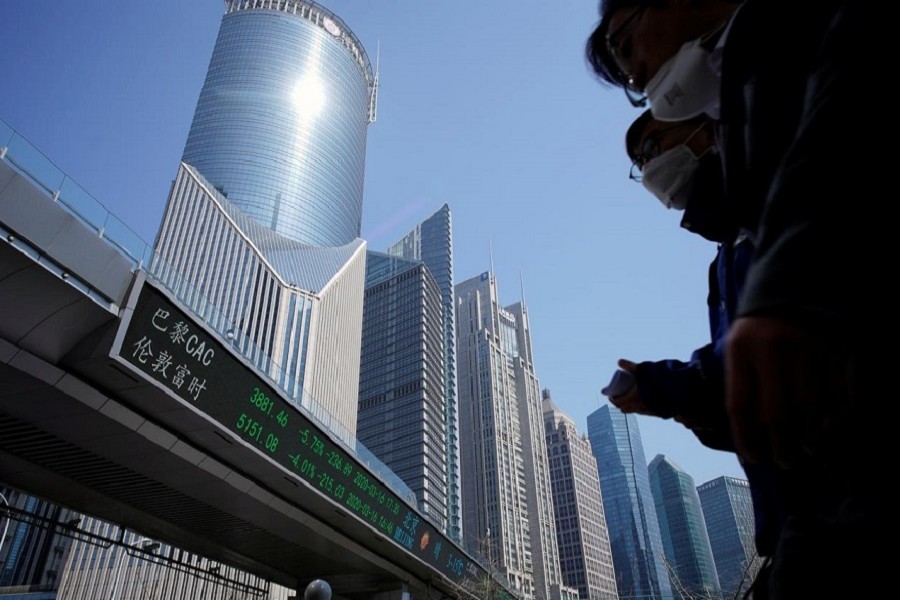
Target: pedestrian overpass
[{"x": 119, "y": 401}]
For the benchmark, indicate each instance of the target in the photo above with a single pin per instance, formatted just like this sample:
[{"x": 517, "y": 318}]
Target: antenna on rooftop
[
  {"x": 491, "y": 250},
  {"x": 373, "y": 87},
  {"x": 522, "y": 286}
]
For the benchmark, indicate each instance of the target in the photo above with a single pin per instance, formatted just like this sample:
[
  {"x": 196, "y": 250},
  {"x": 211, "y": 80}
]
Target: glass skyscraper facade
[
  {"x": 401, "y": 388},
  {"x": 584, "y": 553},
  {"x": 431, "y": 241},
  {"x": 686, "y": 543},
  {"x": 728, "y": 512},
  {"x": 263, "y": 220},
  {"x": 280, "y": 125},
  {"x": 634, "y": 535}
]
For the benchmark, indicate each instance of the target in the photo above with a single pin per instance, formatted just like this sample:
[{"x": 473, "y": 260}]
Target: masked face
[
  {"x": 666, "y": 176},
  {"x": 685, "y": 86}
]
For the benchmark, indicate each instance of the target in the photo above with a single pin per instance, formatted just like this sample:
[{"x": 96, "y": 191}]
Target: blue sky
[{"x": 487, "y": 106}]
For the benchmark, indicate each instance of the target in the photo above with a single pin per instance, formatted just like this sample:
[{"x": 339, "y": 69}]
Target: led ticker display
[{"x": 164, "y": 344}]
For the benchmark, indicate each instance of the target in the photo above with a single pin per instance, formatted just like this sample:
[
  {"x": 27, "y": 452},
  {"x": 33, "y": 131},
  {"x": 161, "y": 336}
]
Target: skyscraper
[
  {"x": 585, "y": 556},
  {"x": 32, "y": 549},
  {"x": 431, "y": 241},
  {"x": 630, "y": 513},
  {"x": 506, "y": 493},
  {"x": 686, "y": 543},
  {"x": 401, "y": 386},
  {"x": 262, "y": 223},
  {"x": 728, "y": 512},
  {"x": 260, "y": 238},
  {"x": 280, "y": 126}
]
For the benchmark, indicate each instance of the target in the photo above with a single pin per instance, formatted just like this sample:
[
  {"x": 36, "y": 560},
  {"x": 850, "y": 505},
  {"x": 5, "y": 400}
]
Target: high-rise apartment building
[
  {"x": 401, "y": 385},
  {"x": 431, "y": 241},
  {"x": 584, "y": 554},
  {"x": 688, "y": 554},
  {"x": 262, "y": 223},
  {"x": 506, "y": 492},
  {"x": 728, "y": 512},
  {"x": 630, "y": 512}
]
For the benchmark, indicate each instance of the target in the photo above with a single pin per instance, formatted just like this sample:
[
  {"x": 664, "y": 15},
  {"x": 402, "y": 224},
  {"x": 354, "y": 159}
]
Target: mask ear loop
[{"x": 712, "y": 148}]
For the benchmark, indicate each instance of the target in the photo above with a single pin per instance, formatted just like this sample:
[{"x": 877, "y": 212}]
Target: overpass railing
[{"x": 32, "y": 164}]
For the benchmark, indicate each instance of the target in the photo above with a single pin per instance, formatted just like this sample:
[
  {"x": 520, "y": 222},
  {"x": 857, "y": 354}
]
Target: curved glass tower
[
  {"x": 263, "y": 219},
  {"x": 685, "y": 541},
  {"x": 280, "y": 126}
]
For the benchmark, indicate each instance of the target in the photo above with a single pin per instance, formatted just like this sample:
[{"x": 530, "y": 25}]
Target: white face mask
[
  {"x": 666, "y": 175},
  {"x": 685, "y": 86}
]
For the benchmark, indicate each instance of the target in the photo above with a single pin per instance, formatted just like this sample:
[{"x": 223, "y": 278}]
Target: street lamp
[{"x": 318, "y": 589}]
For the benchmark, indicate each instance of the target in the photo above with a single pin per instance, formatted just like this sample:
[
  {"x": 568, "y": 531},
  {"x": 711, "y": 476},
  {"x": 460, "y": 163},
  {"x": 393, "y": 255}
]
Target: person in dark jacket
[
  {"x": 679, "y": 164},
  {"x": 786, "y": 82}
]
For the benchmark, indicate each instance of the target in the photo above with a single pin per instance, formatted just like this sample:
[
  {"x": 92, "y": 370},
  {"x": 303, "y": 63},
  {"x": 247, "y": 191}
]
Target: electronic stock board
[{"x": 163, "y": 343}]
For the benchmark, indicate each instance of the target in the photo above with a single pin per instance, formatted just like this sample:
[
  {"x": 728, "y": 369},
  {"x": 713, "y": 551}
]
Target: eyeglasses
[
  {"x": 650, "y": 149},
  {"x": 637, "y": 98},
  {"x": 622, "y": 55}
]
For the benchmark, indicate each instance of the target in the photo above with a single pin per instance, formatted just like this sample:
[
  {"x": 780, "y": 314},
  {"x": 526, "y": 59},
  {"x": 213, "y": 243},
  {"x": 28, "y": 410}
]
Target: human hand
[
  {"x": 781, "y": 383},
  {"x": 630, "y": 401}
]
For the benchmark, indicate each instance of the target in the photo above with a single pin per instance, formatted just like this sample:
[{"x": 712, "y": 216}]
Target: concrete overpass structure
[{"x": 118, "y": 401}]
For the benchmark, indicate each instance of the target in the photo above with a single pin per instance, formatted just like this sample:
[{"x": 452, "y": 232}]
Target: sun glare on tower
[{"x": 308, "y": 97}]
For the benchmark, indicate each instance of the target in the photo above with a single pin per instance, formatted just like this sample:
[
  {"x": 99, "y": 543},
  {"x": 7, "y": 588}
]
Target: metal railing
[{"x": 40, "y": 170}]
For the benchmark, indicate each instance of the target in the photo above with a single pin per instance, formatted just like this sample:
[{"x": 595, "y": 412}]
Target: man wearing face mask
[
  {"x": 679, "y": 164},
  {"x": 802, "y": 379},
  {"x": 678, "y": 70}
]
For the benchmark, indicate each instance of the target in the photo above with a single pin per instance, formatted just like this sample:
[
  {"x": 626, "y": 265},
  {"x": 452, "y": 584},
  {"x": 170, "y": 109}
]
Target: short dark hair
[
  {"x": 596, "y": 50},
  {"x": 634, "y": 133}
]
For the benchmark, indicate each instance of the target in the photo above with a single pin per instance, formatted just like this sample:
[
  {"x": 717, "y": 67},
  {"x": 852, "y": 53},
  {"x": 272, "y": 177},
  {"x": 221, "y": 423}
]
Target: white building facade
[
  {"x": 585, "y": 555},
  {"x": 506, "y": 493},
  {"x": 292, "y": 309}
]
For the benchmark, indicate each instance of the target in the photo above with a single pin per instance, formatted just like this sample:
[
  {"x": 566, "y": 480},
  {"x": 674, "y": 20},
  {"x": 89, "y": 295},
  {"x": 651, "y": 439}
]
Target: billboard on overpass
[{"x": 161, "y": 342}]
